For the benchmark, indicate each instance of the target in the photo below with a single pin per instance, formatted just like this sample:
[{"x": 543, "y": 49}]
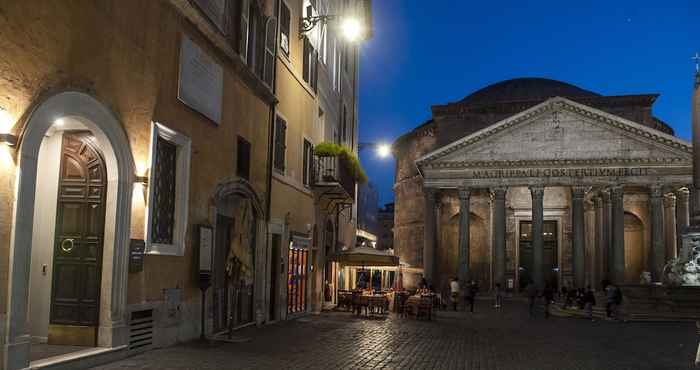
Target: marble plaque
[{"x": 201, "y": 81}]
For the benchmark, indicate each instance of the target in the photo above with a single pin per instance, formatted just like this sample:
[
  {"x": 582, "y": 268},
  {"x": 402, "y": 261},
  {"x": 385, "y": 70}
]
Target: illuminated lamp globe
[
  {"x": 384, "y": 150},
  {"x": 352, "y": 29}
]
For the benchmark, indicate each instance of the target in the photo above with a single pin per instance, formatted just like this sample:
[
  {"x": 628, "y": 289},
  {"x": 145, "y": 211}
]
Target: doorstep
[{"x": 81, "y": 359}]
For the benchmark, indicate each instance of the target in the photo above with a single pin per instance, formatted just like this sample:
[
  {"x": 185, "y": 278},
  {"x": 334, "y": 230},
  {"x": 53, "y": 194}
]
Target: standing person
[
  {"x": 531, "y": 291},
  {"x": 498, "y": 296},
  {"x": 610, "y": 304},
  {"x": 564, "y": 296},
  {"x": 454, "y": 292},
  {"x": 472, "y": 289},
  {"x": 589, "y": 302},
  {"x": 548, "y": 295}
]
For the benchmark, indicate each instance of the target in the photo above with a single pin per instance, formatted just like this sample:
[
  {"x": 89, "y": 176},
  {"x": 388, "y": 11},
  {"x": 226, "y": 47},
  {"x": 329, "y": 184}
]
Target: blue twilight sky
[{"x": 427, "y": 52}]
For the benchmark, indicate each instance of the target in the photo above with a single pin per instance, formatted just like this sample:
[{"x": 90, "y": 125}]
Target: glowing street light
[
  {"x": 352, "y": 29},
  {"x": 383, "y": 150}
]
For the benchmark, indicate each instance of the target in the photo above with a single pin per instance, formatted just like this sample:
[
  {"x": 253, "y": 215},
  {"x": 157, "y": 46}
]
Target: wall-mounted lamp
[
  {"x": 355, "y": 22},
  {"x": 8, "y": 139}
]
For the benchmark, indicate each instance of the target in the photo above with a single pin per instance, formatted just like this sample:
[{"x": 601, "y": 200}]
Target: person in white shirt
[{"x": 454, "y": 293}]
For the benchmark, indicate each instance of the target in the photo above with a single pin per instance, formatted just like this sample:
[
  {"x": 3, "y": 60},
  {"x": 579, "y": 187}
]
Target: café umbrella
[{"x": 365, "y": 256}]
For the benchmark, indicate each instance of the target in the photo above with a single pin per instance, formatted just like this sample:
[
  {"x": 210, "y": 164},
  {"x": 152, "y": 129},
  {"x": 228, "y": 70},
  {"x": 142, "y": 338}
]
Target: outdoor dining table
[
  {"x": 420, "y": 304},
  {"x": 371, "y": 303}
]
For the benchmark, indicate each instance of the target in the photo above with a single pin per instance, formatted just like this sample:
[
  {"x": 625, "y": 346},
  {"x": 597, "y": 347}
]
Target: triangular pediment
[{"x": 560, "y": 130}]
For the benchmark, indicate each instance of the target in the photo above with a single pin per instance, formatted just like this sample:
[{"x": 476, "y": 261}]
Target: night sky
[{"x": 434, "y": 52}]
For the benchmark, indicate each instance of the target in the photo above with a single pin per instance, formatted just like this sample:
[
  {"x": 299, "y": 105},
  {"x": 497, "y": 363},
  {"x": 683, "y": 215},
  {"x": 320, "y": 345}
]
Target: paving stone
[{"x": 485, "y": 340}]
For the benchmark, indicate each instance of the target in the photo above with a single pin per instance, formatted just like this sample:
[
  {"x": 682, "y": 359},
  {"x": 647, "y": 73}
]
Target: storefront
[{"x": 297, "y": 274}]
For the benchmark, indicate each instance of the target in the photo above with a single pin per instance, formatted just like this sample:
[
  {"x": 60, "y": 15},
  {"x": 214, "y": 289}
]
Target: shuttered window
[
  {"x": 280, "y": 144},
  {"x": 344, "y": 125},
  {"x": 243, "y": 159},
  {"x": 243, "y": 17},
  {"x": 269, "y": 58},
  {"x": 310, "y": 64},
  {"x": 285, "y": 27},
  {"x": 163, "y": 203},
  {"x": 308, "y": 160}
]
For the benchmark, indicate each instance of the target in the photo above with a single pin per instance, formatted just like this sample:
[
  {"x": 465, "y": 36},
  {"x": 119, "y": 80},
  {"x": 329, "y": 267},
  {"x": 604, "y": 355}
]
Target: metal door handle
[{"x": 65, "y": 247}]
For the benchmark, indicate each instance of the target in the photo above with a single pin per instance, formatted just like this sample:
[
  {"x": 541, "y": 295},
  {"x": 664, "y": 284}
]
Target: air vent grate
[{"x": 141, "y": 330}]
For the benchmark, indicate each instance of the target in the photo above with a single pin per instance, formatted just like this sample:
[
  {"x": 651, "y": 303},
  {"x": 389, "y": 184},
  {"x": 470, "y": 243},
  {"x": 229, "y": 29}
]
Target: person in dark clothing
[
  {"x": 531, "y": 291},
  {"x": 548, "y": 295},
  {"x": 564, "y": 296},
  {"x": 589, "y": 302},
  {"x": 472, "y": 289}
]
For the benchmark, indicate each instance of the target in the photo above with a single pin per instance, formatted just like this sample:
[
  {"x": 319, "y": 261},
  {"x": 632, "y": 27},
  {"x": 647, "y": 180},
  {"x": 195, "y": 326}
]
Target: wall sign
[
  {"x": 201, "y": 81},
  {"x": 206, "y": 249},
  {"x": 136, "y": 250}
]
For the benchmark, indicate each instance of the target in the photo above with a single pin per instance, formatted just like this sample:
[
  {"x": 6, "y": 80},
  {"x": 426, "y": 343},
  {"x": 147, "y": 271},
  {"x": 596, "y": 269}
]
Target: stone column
[
  {"x": 429, "y": 234},
  {"x": 499, "y": 234},
  {"x": 600, "y": 247},
  {"x": 579, "y": 236},
  {"x": 607, "y": 236},
  {"x": 463, "y": 268},
  {"x": 670, "y": 227},
  {"x": 658, "y": 247},
  {"x": 682, "y": 215},
  {"x": 537, "y": 193},
  {"x": 618, "y": 234}
]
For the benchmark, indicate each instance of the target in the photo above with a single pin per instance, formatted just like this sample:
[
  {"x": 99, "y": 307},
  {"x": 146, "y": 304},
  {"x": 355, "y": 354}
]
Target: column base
[{"x": 17, "y": 353}]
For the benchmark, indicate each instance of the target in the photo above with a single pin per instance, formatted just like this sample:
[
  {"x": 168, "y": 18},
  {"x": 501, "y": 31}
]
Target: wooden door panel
[{"x": 75, "y": 293}]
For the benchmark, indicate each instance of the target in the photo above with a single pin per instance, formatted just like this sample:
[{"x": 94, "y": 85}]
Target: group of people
[{"x": 581, "y": 298}]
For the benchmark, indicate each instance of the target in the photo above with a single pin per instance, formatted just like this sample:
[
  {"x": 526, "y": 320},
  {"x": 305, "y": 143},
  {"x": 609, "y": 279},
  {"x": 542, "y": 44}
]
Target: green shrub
[{"x": 335, "y": 150}]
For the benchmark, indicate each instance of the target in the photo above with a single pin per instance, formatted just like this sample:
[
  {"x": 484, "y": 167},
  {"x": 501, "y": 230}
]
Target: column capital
[
  {"x": 430, "y": 194},
  {"x": 656, "y": 191},
  {"x": 499, "y": 192},
  {"x": 598, "y": 201},
  {"x": 464, "y": 193},
  {"x": 537, "y": 191},
  {"x": 578, "y": 192},
  {"x": 682, "y": 194},
  {"x": 605, "y": 196},
  {"x": 669, "y": 201},
  {"x": 617, "y": 192}
]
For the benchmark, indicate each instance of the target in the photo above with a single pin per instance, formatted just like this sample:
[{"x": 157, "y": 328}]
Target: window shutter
[
  {"x": 306, "y": 60},
  {"x": 314, "y": 71},
  {"x": 269, "y": 59},
  {"x": 243, "y": 40},
  {"x": 285, "y": 25},
  {"x": 307, "y": 162},
  {"x": 280, "y": 139}
]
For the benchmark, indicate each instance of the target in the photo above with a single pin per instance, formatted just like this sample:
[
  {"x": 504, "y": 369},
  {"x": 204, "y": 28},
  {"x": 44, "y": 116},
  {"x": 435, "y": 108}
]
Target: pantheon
[{"x": 538, "y": 180}]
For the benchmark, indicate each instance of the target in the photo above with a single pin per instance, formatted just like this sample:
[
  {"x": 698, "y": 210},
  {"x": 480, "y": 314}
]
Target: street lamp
[
  {"x": 383, "y": 150},
  {"x": 352, "y": 29}
]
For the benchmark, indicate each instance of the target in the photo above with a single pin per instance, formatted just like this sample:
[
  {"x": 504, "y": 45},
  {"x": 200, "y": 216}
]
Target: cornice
[
  {"x": 626, "y": 126},
  {"x": 557, "y": 163}
]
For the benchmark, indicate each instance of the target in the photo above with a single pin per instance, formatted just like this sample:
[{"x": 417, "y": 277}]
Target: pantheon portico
[{"x": 562, "y": 187}]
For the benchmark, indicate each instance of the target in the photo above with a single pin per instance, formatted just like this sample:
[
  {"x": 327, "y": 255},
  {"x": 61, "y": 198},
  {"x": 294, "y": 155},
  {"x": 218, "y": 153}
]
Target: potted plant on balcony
[{"x": 345, "y": 154}]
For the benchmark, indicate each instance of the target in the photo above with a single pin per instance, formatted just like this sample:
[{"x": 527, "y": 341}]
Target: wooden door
[{"x": 77, "y": 257}]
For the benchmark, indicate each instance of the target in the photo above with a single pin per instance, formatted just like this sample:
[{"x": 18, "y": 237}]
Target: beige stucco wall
[{"x": 113, "y": 50}]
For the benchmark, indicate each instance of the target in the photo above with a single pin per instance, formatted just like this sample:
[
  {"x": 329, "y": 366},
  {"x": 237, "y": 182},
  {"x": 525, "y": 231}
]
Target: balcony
[{"x": 333, "y": 177}]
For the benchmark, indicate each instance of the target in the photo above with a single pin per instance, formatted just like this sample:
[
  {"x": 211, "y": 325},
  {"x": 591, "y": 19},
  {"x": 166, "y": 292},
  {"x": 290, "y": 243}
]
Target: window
[
  {"x": 308, "y": 162},
  {"x": 310, "y": 64},
  {"x": 253, "y": 38},
  {"x": 243, "y": 17},
  {"x": 269, "y": 58},
  {"x": 243, "y": 159},
  {"x": 280, "y": 144},
  {"x": 285, "y": 27},
  {"x": 168, "y": 192}
]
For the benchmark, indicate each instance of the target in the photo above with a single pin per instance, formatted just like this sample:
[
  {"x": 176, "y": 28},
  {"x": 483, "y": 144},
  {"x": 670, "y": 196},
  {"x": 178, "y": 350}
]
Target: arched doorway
[
  {"x": 45, "y": 233},
  {"x": 239, "y": 229},
  {"x": 634, "y": 247}
]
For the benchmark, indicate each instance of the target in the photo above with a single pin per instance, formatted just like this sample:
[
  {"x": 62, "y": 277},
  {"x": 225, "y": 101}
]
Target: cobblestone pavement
[{"x": 487, "y": 339}]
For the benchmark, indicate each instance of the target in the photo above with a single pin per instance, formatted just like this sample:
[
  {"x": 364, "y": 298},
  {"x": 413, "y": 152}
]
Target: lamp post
[
  {"x": 353, "y": 28},
  {"x": 383, "y": 150}
]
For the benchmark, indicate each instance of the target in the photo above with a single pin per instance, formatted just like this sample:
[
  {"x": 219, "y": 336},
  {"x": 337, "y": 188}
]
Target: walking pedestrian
[
  {"x": 472, "y": 289},
  {"x": 454, "y": 292},
  {"x": 589, "y": 302},
  {"x": 531, "y": 291},
  {"x": 548, "y": 295},
  {"x": 498, "y": 296},
  {"x": 610, "y": 293}
]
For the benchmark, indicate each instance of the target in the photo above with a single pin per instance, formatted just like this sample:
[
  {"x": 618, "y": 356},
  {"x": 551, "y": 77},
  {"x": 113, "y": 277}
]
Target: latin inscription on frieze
[{"x": 557, "y": 172}]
